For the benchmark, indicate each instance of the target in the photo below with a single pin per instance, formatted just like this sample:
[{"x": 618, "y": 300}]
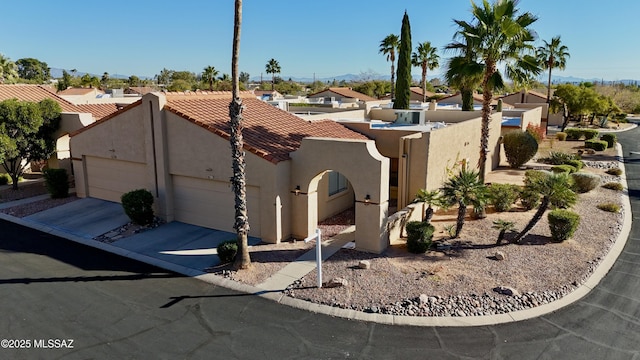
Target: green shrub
[
  {"x": 529, "y": 199},
  {"x": 573, "y": 133},
  {"x": 502, "y": 196},
  {"x": 519, "y": 147},
  {"x": 578, "y": 164},
  {"x": 559, "y": 158},
  {"x": 534, "y": 176},
  {"x": 227, "y": 251},
  {"x": 585, "y": 182},
  {"x": 57, "y": 183},
  {"x": 4, "y": 179},
  {"x": 561, "y": 136},
  {"x": 564, "y": 168},
  {"x": 614, "y": 171},
  {"x": 419, "y": 235},
  {"x": 590, "y": 134},
  {"x": 597, "y": 145},
  {"x": 609, "y": 138},
  {"x": 563, "y": 223},
  {"x": 613, "y": 186},
  {"x": 138, "y": 205},
  {"x": 610, "y": 207}
]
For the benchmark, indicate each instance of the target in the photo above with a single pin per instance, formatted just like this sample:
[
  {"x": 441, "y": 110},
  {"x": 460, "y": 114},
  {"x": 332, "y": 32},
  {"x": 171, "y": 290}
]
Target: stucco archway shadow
[{"x": 367, "y": 171}]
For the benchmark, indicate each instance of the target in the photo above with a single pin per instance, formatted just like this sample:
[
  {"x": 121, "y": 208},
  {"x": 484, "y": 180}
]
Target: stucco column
[{"x": 371, "y": 235}]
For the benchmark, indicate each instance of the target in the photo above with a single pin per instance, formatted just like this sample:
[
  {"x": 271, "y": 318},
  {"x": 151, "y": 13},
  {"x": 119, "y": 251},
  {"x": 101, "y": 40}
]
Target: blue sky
[{"x": 328, "y": 37}]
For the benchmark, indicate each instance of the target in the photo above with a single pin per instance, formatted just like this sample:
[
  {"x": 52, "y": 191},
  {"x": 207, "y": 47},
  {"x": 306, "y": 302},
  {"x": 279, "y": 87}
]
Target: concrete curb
[{"x": 444, "y": 321}]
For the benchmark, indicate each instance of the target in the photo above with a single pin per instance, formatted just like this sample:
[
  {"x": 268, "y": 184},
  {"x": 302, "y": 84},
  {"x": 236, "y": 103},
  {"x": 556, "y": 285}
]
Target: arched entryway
[
  {"x": 336, "y": 203},
  {"x": 368, "y": 174}
]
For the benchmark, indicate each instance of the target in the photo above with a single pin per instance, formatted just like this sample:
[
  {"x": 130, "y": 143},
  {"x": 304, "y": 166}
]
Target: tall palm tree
[
  {"x": 238, "y": 181},
  {"x": 464, "y": 189},
  {"x": 555, "y": 189},
  {"x": 209, "y": 74},
  {"x": 8, "y": 70},
  {"x": 501, "y": 35},
  {"x": 464, "y": 72},
  {"x": 388, "y": 47},
  {"x": 553, "y": 55},
  {"x": 273, "y": 68},
  {"x": 425, "y": 57}
]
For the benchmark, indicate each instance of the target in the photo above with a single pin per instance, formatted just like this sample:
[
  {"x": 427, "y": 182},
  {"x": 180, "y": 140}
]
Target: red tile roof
[
  {"x": 38, "y": 93},
  {"x": 79, "y": 91},
  {"x": 268, "y": 131},
  {"x": 348, "y": 93}
]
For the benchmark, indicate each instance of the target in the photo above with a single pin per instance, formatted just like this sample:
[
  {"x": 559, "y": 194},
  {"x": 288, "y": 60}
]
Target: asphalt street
[{"x": 116, "y": 308}]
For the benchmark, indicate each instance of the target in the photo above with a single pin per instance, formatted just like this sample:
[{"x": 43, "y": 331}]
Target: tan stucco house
[
  {"x": 341, "y": 95},
  {"x": 177, "y": 146}
]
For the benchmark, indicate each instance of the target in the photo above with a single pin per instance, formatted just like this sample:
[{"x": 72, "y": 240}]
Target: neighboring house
[
  {"x": 177, "y": 146},
  {"x": 267, "y": 95},
  {"x": 341, "y": 95},
  {"x": 80, "y": 95},
  {"x": 532, "y": 99},
  {"x": 139, "y": 90},
  {"x": 415, "y": 95},
  {"x": 73, "y": 116}
]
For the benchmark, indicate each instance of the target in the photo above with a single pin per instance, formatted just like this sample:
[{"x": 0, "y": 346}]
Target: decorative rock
[
  {"x": 364, "y": 264},
  {"x": 500, "y": 255},
  {"x": 336, "y": 282},
  {"x": 505, "y": 290},
  {"x": 423, "y": 298}
]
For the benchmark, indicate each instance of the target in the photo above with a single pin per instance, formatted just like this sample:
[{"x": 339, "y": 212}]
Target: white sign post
[{"x": 317, "y": 237}]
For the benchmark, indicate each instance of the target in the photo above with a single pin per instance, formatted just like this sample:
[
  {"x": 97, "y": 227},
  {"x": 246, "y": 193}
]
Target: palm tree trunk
[
  {"x": 428, "y": 214},
  {"x": 549, "y": 86},
  {"x": 500, "y": 237},
  {"x": 238, "y": 181},
  {"x": 462, "y": 212},
  {"x": 486, "y": 117},
  {"x": 424, "y": 83},
  {"x": 393, "y": 77},
  {"x": 544, "y": 204}
]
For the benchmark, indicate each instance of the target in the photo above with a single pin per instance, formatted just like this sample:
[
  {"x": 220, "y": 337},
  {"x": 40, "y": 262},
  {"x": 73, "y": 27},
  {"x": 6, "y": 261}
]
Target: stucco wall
[
  {"x": 333, "y": 115},
  {"x": 329, "y": 205},
  {"x": 447, "y": 116}
]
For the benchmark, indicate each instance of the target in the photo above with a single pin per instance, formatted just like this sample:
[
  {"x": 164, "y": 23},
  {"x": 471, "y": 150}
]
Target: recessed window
[{"x": 337, "y": 183}]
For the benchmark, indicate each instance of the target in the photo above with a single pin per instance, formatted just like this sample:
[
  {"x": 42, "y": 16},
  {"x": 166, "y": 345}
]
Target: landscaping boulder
[
  {"x": 336, "y": 282},
  {"x": 500, "y": 255},
  {"x": 364, "y": 264},
  {"x": 505, "y": 290}
]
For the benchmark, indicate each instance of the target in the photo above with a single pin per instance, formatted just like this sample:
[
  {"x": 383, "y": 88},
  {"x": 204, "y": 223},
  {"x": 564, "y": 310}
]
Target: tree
[
  {"x": 554, "y": 189},
  {"x": 430, "y": 198},
  {"x": 388, "y": 47},
  {"x": 104, "y": 81},
  {"x": 8, "y": 70},
  {"x": 26, "y": 130},
  {"x": 574, "y": 101},
  {"x": 503, "y": 226},
  {"x": 403, "y": 87},
  {"x": 501, "y": 35},
  {"x": 464, "y": 189},
  {"x": 164, "y": 77},
  {"x": 273, "y": 68},
  {"x": 33, "y": 69},
  {"x": 464, "y": 72},
  {"x": 552, "y": 55},
  {"x": 209, "y": 74},
  {"x": 65, "y": 82},
  {"x": 238, "y": 181},
  {"x": 244, "y": 77},
  {"x": 425, "y": 57},
  {"x": 134, "y": 80}
]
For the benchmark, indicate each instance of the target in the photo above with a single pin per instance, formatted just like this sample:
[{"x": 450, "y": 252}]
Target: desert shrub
[
  {"x": 564, "y": 168},
  {"x": 585, "y": 182},
  {"x": 562, "y": 223},
  {"x": 573, "y": 133},
  {"x": 533, "y": 176},
  {"x": 561, "y": 136},
  {"x": 613, "y": 186},
  {"x": 536, "y": 131},
  {"x": 529, "y": 199},
  {"x": 590, "y": 134},
  {"x": 559, "y": 158},
  {"x": 227, "y": 251},
  {"x": 614, "y": 171},
  {"x": 138, "y": 205},
  {"x": 4, "y": 179},
  {"x": 519, "y": 147},
  {"x": 597, "y": 145},
  {"x": 609, "y": 138},
  {"x": 502, "y": 196},
  {"x": 57, "y": 183},
  {"x": 610, "y": 207},
  {"x": 419, "y": 235},
  {"x": 578, "y": 164}
]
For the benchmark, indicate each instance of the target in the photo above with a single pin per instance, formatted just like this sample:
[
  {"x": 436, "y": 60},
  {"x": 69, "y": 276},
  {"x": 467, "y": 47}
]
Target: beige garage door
[
  {"x": 209, "y": 203},
  {"x": 108, "y": 179}
]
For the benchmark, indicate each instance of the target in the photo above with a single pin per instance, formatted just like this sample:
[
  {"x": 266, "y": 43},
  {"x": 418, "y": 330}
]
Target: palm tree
[
  {"x": 273, "y": 68},
  {"x": 503, "y": 226},
  {"x": 209, "y": 74},
  {"x": 464, "y": 189},
  {"x": 464, "y": 72},
  {"x": 501, "y": 35},
  {"x": 425, "y": 57},
  {"x": 8, "y": 70},
  {"x": 553, "y": 55},
  {"x": 104, "y": 80},
  {"x": 238, "y": 181},
  {"x": 555, "y": 189},
  {"x": 388, "y": 47},
  {"x": 430, "y": 198}
]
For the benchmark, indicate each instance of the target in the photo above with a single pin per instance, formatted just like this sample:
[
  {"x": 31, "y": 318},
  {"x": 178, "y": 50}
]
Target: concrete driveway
[{"x": 178, "y": 243}]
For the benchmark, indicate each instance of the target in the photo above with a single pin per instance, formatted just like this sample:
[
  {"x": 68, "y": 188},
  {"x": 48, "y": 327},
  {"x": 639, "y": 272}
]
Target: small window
[{"x": 337, "y": 183}]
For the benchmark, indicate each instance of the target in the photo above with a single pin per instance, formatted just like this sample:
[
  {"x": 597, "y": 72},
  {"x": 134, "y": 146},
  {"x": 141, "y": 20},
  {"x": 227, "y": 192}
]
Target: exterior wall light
[
  {"x": 367, "y": 199},
  {"x": 296, "y": 192}
]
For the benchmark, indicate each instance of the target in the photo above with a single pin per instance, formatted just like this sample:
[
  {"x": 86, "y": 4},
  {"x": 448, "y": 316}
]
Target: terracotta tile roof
[
  {"x": 418, "y": 90},
  {"x": 38, "y": 93},
  {"x": 348, "y": 93},
  {"x": 268, "y": 131},
  {"x": 79, "y": 91}
]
